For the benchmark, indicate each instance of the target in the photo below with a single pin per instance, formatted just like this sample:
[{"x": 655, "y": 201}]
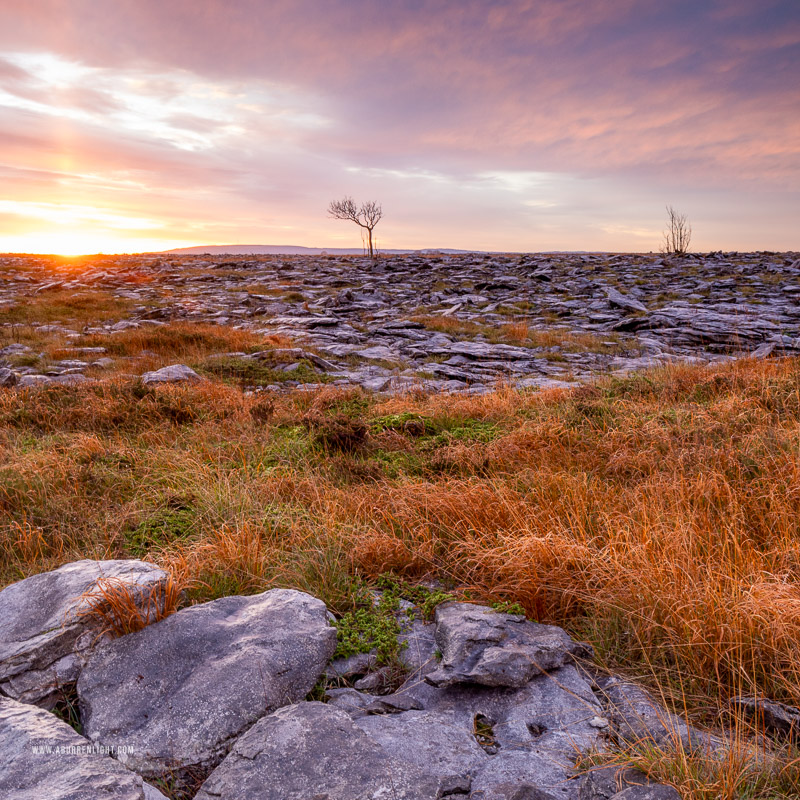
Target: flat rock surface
[
  {"x": 43, "y": 637},
  {"x": 433, "y": 741},
  {"x": 313, "y": 751},
  {"x": 177, "y": 693},
  {"x": 43, "y": 758},
  {"x": 174, "y": 373}
]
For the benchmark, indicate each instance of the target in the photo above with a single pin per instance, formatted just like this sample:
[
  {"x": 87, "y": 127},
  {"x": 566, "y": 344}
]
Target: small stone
[{"x": 174, "y": 373}]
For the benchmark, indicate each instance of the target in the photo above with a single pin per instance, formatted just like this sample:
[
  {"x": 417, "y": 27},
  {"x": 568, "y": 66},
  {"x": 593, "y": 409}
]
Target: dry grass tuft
[
  {"x": 118, "y": 607},
  {"x": 180, "y": 340}
]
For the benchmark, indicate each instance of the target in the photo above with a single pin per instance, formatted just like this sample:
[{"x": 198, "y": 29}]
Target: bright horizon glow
[
  {"x": 62, "y": 243},
  {"x": 494, "y": 126}
]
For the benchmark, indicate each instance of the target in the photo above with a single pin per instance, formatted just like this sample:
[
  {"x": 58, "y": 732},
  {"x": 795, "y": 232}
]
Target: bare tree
[
  {"x": 367, "y": 216},
  {"x": 678, "y": 233}
]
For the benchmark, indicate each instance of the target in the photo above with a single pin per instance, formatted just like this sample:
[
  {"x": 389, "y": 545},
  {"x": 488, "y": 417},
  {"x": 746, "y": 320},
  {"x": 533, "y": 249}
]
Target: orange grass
[
  {"x": 656, "y": 515},
  {"x": 118, "y": 607}
]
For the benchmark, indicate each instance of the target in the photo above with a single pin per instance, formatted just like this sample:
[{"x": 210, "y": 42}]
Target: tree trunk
[{"x": 370, "y": 242}]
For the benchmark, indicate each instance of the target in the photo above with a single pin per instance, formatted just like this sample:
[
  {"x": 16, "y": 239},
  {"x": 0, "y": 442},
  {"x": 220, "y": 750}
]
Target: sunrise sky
[{"x": 129, "y": 125}]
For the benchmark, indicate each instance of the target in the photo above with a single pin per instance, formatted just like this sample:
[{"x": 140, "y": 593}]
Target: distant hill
[{"x": 288, "y": 250}]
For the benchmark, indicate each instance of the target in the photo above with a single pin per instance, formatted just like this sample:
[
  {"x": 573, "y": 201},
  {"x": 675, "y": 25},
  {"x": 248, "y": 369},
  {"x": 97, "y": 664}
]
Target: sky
[{"x": 512, "y": 125}]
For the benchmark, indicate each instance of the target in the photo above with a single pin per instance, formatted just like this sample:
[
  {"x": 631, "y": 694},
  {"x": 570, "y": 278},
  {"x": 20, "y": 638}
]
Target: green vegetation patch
[
  {"x": 377, "y": 627},
  {"x": 252, "y": 372},
  {"x": 160, "y": 529}
]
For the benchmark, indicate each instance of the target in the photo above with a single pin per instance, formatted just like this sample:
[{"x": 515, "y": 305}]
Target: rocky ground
[
  {"x": 446, "y": 322},
  {"x": 213, "y": 701}
]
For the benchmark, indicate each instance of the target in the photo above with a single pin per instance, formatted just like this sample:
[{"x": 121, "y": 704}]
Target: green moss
[
  {"x": 253, "y": 372},
  {"x": 507, "y": 607},
  {"x": 159, "y": 530},
  {"x": 373, "y": 628},
  {"x": 399, "y": 422},
  {"x": 466, "y": 430},
  {"x": 422, "y": 597},
  {"x": 377, "y": 626}
]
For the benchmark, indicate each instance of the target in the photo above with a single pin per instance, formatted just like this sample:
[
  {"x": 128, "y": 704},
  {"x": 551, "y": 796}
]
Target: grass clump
[
  {"x": 159, "y": 530},
  {"x": 178, "y": 340},
  {"x": 746, "y": 770},
  {"x": 251, "y": 372},
  {"x": 68, "y": 306}
]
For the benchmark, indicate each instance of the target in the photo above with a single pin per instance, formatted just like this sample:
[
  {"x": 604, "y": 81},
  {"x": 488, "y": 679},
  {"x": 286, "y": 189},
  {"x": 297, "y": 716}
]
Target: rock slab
[
  {"x": 312, "y": 750},
  {"x": 174, "y": 373},
  {"x": 43, "y": 758},
  {"x": 44, "y": 639},
  {"x": 177, "y": 693},
  {"x": 479, "y": 645}
]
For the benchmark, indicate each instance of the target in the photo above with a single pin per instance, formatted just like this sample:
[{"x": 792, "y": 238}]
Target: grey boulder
[
  {"x": 311, "y": 750},
  {"x": 8, "y": 377},
  {"x": 479, "y": 645},
  {"x": 177, "y": 693},
  {"x": 623, "y": 783},
  {"x": 174, "y": 373},
  {"x": 538, "y": 774},
  {"x": 655, "y": 791},
  {"x": 636, "y": 717},
  {"x": 776, "y": 717},
  {"x": 43, "y": 758},
  {"x": 44, "y": 638},
  {"x": 502, "y": 740},
  {"x": 624, "y": 302}
]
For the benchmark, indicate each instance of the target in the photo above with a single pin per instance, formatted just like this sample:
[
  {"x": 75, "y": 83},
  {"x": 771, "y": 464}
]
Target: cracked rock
[
  {"x": 43, "y": 758},
  {"x": 178, "y": 692},
  {"x": 44, "y": 639},
  {"x": 479, "y": 645},
  {"x": 311, "y": 750}
]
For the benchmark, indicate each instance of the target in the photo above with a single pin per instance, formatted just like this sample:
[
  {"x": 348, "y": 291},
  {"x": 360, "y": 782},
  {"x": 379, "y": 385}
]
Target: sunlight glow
[{"x": 80, "y": 243}]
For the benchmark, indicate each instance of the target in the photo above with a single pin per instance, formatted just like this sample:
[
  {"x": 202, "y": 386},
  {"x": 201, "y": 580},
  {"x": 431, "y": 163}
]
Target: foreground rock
[
  {"x": 42, "y": 758},
  {"x": 216, "y": 692},
  {"x": 177, "y": 693},
  {"x": 478, "y": 645},
  {"x": 312, "y": 750},
  {"x": 44, "y": 637},
  {"x": 530, "y": 737}
]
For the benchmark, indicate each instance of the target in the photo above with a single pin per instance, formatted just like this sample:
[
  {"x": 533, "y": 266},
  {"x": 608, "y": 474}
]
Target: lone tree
[
  {"x": 366, "y": 217},
  {"x": 678, "y": 233}
]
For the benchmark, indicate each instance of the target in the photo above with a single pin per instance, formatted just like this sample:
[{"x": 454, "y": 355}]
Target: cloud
[{"x": 262, "y": 111}]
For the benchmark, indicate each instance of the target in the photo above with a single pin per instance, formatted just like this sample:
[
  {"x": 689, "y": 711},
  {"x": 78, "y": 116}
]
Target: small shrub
[{"x": 340, "y": 432}]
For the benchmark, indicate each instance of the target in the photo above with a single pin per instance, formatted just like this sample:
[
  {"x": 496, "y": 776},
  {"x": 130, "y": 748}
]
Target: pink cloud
[{"x": 702, "y": 96}]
